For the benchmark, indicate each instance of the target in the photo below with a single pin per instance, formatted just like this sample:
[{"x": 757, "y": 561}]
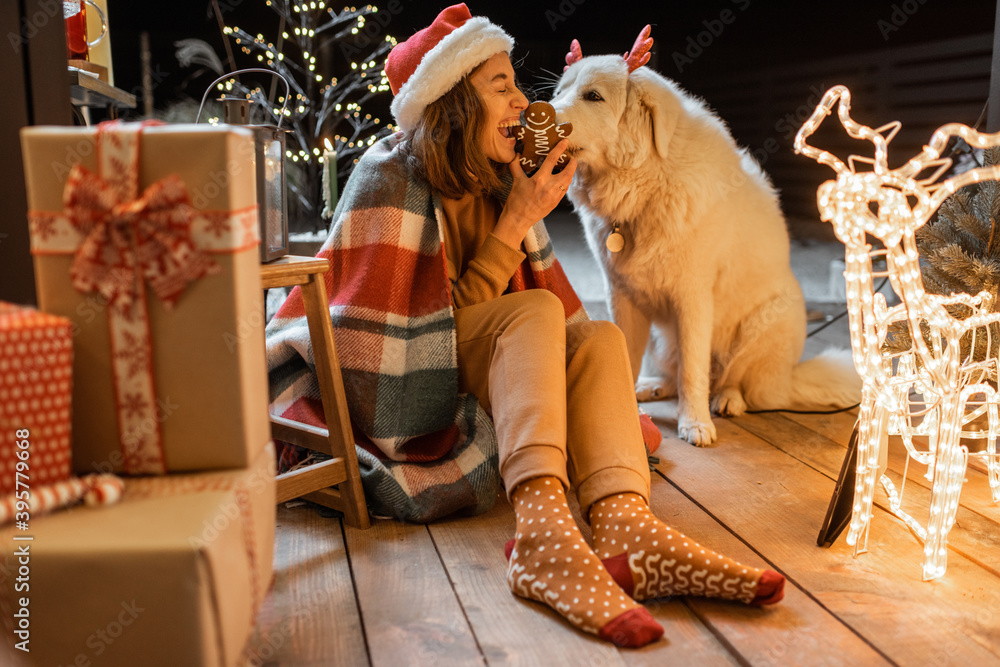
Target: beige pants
[{"x": 561, "y": 396}]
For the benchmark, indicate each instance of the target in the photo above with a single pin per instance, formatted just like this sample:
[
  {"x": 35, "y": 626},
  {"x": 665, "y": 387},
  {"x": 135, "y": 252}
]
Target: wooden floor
[{"x": 436, "y": 595}]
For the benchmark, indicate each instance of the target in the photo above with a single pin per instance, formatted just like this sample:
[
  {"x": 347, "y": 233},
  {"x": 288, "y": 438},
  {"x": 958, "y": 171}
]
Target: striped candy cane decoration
[{"x": 94, "y": 490}]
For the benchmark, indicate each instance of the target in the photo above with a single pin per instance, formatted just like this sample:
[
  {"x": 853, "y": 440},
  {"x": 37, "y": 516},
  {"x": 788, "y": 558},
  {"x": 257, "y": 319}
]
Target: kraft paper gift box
[
  {"x": 171, "y": 575},
  {"x": 156, "y": 388},
  {"x": 36, "y": 363}
]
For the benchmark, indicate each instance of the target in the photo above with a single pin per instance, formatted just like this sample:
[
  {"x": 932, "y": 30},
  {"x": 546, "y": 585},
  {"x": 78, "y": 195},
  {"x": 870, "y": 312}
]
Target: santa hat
[{"x": 432, "y": 61}]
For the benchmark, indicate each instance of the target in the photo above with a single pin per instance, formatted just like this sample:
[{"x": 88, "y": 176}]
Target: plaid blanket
[{"x": 425, "y": 450}]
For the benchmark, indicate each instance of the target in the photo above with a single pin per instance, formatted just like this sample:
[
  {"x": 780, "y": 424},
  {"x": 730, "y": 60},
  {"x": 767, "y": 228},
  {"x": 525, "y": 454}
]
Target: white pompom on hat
[{"x": 433, "y": 60}]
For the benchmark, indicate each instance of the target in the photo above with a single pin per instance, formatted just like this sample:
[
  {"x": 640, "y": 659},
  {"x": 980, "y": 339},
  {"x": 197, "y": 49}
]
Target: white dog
[{"x": 706, "y": 252}]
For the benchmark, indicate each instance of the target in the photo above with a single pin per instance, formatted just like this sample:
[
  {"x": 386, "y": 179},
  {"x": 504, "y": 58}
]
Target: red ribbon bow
[{"x": 127, "y": 241}]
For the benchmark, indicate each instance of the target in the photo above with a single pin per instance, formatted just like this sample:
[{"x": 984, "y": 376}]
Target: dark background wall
[
  {"x": 759, "y": 33},
  {"x": 758, "y": 63},
  {"x": 754, "y": 61}
]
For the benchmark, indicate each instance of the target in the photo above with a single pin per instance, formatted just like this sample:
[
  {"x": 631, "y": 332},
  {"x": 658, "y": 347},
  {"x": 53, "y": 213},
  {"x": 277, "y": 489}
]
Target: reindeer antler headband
[{"x": 636, "y": 58}]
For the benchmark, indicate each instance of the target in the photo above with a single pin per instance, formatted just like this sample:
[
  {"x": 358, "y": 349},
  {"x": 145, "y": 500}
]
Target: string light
[
  {"x": 317, "y": 96},
  {"x": 890, "y": 205}
]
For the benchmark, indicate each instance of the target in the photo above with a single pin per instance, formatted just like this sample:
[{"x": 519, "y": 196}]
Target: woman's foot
[
  {"x": 648, "y": 559},
  {"x": 551, "y": 563}
]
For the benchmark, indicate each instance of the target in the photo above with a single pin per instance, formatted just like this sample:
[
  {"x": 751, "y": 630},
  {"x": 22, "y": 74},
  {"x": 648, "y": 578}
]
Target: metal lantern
[{"x": 269, "y": 160}]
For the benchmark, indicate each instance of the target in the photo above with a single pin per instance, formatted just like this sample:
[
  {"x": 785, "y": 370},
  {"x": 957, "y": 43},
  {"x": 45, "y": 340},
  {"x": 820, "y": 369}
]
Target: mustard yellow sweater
[{"x": 479, "y": 264}]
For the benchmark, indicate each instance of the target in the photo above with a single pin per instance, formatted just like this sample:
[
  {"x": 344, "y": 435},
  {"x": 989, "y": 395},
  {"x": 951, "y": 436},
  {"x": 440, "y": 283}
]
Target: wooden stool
[{"x": 337, "y": 440}]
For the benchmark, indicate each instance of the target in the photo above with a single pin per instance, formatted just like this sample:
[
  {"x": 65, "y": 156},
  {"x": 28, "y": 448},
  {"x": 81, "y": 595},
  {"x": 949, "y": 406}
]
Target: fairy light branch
[
  {"x": 338, "y": 97},
  {"x": 329, "y": 88},
  {"x": 338, "y": 19}
]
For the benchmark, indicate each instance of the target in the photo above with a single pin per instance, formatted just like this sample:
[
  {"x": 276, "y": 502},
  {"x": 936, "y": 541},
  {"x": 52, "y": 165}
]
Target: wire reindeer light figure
[{"x": 890, "y": 205}]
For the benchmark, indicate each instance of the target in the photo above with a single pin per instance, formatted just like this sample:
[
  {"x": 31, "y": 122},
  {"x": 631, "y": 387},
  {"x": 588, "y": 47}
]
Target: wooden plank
[
  {"x": 303, "y": 435},
  {"x": 993, "y": 119},
  {"x": 291, "y": 269},
  {"x": 931, "y": 52},
  {"x": 976, "y": 494},
  {"x": 836, "y": 427},
  {"x": 771, "y": 635},
  {"x": 776, "y": 503},
  {"x": 973, "y": 65},
  {"x": 327, "y": 497},
  {"x": 837, "y": 433},
  {"x": 975, "y": 534},
  {"x": 811, "y": 448},
  {"x": 268, "y": 282},
  {"x": 411, "y": 613},
  {"x": 331, "y": 387},
  {"x": 935, "y": 115},
  {"x": 687, "y": 640},
  {"x": 979, "y": 486},
  {"x": 298, "y": 482},
  {"x": 311, "y": 616}
]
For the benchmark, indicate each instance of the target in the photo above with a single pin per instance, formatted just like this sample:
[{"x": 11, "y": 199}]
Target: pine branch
[{"x": 960, "y": 254}]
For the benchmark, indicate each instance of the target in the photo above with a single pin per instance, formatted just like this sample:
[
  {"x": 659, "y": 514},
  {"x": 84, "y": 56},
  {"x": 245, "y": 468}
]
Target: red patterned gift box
[{"x": 36, "y": 365}]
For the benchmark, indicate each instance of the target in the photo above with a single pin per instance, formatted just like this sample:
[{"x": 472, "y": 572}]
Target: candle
[{"x": 329, "y": 179}]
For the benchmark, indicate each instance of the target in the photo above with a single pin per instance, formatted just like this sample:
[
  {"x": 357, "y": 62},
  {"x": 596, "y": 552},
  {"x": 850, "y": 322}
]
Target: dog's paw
[
  {"x": 699, "y": 434},
  {"x": 729, "y": 403},
  {"x": 653, "y": 389}
]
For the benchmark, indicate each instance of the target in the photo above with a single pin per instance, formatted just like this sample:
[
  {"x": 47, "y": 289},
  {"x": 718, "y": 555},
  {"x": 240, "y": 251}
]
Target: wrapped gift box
[
  {"x": 205, "y": 406},
  {"x": 36, "y": 363},
  {"x": 172, "y": 575}
]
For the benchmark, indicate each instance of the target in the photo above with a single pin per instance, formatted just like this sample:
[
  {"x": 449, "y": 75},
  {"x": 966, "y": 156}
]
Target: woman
[{"x": 448, "y": 305}]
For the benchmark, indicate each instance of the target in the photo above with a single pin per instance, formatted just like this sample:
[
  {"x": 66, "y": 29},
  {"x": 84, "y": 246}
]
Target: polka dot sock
[
  {"x": 551, "y": 563},
  {"x": 648, "y": 559}
]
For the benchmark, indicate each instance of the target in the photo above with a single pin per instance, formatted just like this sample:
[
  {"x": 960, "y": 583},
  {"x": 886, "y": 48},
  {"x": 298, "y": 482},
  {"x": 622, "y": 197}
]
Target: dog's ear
[{"x": 661, "y": 104}]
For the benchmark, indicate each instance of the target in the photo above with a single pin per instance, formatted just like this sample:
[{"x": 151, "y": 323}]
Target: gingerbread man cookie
[{"x": 539, "y": 134}]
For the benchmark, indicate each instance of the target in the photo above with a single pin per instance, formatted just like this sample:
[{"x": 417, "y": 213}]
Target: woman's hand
[{"x": 531, "y": 199}]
